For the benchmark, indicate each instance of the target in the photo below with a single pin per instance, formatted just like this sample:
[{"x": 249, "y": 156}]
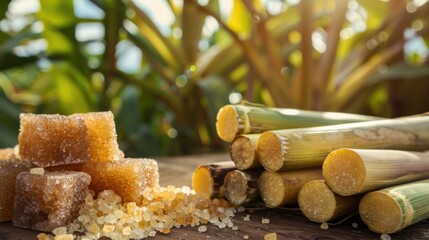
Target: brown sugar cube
[
  {"x": 52, "y": 140},
  {"x": 46, "y": 201},
  {"x": 9, "y": 169},
  {"x": 102, "y": 136},
  {"x": 127, "y": 177}
]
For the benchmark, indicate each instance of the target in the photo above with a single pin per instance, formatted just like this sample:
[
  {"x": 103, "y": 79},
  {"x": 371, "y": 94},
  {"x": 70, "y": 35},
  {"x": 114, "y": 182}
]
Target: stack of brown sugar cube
[{"x": 59, "y": 159}]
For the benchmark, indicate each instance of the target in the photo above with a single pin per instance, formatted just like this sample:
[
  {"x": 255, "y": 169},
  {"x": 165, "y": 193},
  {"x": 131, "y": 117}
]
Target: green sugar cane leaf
[
  {"x": 398, "y": 72},
  {"x": 72, "y": 89},
  {"x": 58, "y": 14}
]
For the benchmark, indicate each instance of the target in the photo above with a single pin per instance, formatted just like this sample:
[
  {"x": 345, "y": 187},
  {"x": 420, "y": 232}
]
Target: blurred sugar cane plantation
[{"x": 165, "y": 67}]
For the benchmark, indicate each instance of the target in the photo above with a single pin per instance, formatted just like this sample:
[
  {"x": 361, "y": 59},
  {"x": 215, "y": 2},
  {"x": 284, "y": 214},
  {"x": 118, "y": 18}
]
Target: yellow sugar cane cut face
[
  {"x": 317, "y": 202},
  {"x": 202, "y": 181},
  {"x": 380, "y": 212},
  {"x": 242, "y": 153},
  {"x": 344, "y": 171},
  {"x": 272, "y": 189},
  {"x": 227, "y": 123},
  {"x": 269, "y": 151},
  {"x": 235, "y": 187}
]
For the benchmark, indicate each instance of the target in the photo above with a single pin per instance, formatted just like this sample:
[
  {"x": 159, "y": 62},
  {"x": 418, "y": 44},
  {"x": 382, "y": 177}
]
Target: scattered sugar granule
[
  {"x": 385, "y": 236},
  {"x": 202, "y": 229},
  {"x": 265, "y": 221},
  {"x": 324, "y": 225},
  {"x": 234, "y": 228},
  {"x": 241, "y": 209},
  {"x": 64, "y": 237},
  {"x": 247, "y": 218},
  {"x": 59, "y": 231},
  {"x": 39, "y": 171},
  {"x": 355, "y": 225},
  {"x": 270, "y": 236},
  {"x": 246, "y": 237},
  {"x": 42, "y": 236}
]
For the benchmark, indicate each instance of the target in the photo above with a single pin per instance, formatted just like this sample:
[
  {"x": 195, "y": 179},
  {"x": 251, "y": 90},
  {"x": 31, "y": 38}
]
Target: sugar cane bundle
[
  {"x": 250, "y": 118},
  {"x": 243, "y": 152},
  {"x": 354, "y": 171},
  {"x": 392, "y": 209},
  {"x": 282, "y": 188},
  {"x": 320, "y": 204},
  {"x": 308, "y": 147},
  {"x": 209, "y": 178},
  {"x": 241, "y": 187}
]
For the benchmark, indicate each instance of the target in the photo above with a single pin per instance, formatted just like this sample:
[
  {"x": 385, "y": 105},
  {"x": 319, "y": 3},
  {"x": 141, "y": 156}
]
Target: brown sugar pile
[{"x": 161, "y": 210}]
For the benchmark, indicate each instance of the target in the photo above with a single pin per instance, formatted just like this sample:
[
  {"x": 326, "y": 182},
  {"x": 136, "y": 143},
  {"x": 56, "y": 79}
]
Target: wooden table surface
[{"x": 288, "y": 224}]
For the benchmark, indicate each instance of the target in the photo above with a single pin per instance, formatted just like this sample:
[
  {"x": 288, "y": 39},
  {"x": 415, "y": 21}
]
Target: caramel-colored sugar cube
[
  {"x": 127, "y": 177},
  {"x": 102, "y": 136},
  {"x": 8, "y": 172},
  {"x": 45, "y": 202},
  {"x": 52, "y": 140}
]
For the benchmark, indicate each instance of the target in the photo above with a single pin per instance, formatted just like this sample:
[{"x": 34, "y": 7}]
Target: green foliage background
[{"x": 351, "y": 56}]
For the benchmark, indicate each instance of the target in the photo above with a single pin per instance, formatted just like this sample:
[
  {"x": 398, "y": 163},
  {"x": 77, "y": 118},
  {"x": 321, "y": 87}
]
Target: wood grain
[{"x": 288, "y": 224}]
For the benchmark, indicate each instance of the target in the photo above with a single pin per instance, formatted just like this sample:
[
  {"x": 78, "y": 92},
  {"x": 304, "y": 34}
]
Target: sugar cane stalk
[
  {"x": 308, "y": 147},
  {"x": 353, "y": 171},
  {"x": 282, "y": 188},
  {"x": 392, "y": 209},
  {"x": 209, "y": 178},
  {"x": 250, "y": 118}
]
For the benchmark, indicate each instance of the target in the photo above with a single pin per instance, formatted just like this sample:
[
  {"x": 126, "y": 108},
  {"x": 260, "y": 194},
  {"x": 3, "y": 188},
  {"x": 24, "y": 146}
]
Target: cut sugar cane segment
[
  {"x": 243, "y": 152},
  {"x": 353, "y": 171},
  {"x": 308, "y": 147},
  {"x": 241, "y": 187},
  {"x": 209, "y": 178},
  {"x": 392, "y": 209},
  {"x": 242, "y": 119},
  {"x": 320, "y": 204},
  {"x": 282, "y": 188}
]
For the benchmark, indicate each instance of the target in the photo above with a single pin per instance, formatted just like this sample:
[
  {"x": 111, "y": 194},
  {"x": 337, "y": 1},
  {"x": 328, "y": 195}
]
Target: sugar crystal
[{"x": 39, "y": 171}]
